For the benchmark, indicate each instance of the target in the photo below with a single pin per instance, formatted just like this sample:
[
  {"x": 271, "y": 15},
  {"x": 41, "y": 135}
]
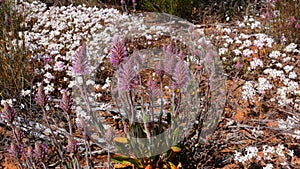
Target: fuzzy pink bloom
[
  {"x": 153, "y": 90},
  {"x": 66, "y": 101},
  {"x": 118, "y": 52},
  {"x": 122, "y": 2},
  {"x": 209, "y": 58},
  {"x": 29, "y": 152},
  {"x": 8, "y": 113},
  {"x": 81, "y": 63},
  {"x": 15, "y": 150},
  {"x": 170, "y": 64},
  {"x": 238, "y": 65},
  {"x": 41, "y": 97},
  {"x": 171, "y": 49},
  {"x": 127, "y": 76},
  {"x": 292, "y": 20},
  {"x": 181, "y": 74},
  {"x": 40, "y": 151},
  {"x": 72, "y": 145},
  {"x": 297, "y": 26}
]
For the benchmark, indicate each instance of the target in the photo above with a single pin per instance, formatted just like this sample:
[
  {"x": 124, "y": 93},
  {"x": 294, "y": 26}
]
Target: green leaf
[
  {"x": 168, "y": 155},
  {"x": 121, "y": 140},
  {"x": 175, "y": 149},
  {"x": 125, "y": 160}
]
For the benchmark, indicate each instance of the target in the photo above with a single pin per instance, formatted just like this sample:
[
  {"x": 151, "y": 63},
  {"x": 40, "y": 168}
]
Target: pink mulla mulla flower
[
  {"x": 291, "y": 21},
  {"x": 41, "y": 97},
  {"x": 40, "y": 151},
  {"x": 66, "y": 101},
  {"x": 127, "y": 76},
  {"x": 122, "y": 2},
  {"x": 15, "y": 150},
  {"x": 181, "y": 75},
  {"x": 170, "y": 64},
  {"x": 72, "y": 145},
  {"x": 171, "y": 49},
  {"x": 182, "y": 55},
  {"x": 8, "y": 113},
  {"x": 153, "y": 90},
  {"x": 81, "y": 63},
  {"x": 118, "y": 52},
  {"x": 297, "y": 26},
  {"x": 210, "y": 57},
  {"x": 29, "y": 152}
]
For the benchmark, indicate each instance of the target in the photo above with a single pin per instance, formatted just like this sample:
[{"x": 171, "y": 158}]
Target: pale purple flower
[
  {"x": 170, "y": 64},
  {"x": 209, "y": 57},
  {"x": 238, "y": 65},
  {"x": 19, "y": 134},
  {"x": 255, "y": 63},
  {"x": 66, "y": 101},
  {"x": 297, "y": 26},
  {"x": 171, "y": 49},
  {"x": 15, "y": 150},
  {"x": 41, "y": 97},
  {"x": 72, "y": 145},
  {"x": 29, "y": 152},
  {"x": 8, "y": 113},
  {"x": 181, "y": 75},
  {"x": 248, "y": 53},
  {"x": 81, "y": 63},
  {"x": 47, "y": 59},
  {"x": 59, "y": 66},
  {"x": 259, "y": 43},
  {"x": 153, "y": 90},
  {"x": 40, "y": 151},
  {"x": 118, "y": 52},
  {"x": 292, "y": 20},
  {"x": 127, "y": 76}
]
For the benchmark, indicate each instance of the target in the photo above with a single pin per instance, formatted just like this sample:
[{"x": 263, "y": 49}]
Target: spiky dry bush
[
  {"x": 14, "y": 61},
  {"x": 283, "y": 18}
]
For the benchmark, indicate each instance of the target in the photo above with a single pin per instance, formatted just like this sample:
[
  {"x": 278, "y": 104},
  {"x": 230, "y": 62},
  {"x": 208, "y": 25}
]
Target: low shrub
[{"x": 283, "y": 20}]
